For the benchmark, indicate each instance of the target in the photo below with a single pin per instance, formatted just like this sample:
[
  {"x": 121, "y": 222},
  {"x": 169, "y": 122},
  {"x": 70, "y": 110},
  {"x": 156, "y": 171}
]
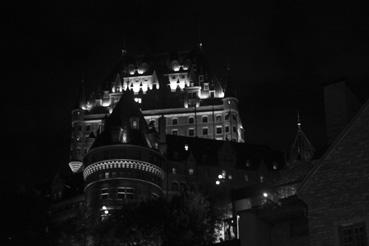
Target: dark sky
[{"x": 280, "y": 53}]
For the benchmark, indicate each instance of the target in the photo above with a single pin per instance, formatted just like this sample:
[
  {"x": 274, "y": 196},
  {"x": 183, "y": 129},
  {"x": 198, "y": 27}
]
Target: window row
[
  {"x": 205, "y": 131},
  {"x": 191, "y": 119}
]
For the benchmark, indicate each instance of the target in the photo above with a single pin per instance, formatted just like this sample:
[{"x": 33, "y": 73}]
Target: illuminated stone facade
[{"x": 176, "y": 86}]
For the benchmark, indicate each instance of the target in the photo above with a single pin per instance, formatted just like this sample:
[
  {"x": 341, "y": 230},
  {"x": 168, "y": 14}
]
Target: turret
[{"x": 123, "y": 165}]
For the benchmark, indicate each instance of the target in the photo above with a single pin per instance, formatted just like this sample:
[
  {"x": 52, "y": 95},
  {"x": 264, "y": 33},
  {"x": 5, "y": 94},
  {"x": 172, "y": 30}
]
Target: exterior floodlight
[
  {"x": 220, "y": 176},
  {"x": 75, "y": 166},
  {"x": 265, "y": 194},
  {"x": 106, "y": 211}
]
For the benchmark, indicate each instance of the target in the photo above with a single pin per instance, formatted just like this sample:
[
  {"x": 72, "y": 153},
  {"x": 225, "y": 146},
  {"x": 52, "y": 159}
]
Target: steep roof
[
  {"x": 359, "y": 123},
  {"x": 301, "y": 149},
  {"x": 126, "y": 124}
]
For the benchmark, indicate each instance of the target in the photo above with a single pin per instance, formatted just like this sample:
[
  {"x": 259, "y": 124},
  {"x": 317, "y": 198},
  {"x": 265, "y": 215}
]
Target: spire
[
  {"x": 81, "y": 101},
  {"x": 301, "y": 149}
]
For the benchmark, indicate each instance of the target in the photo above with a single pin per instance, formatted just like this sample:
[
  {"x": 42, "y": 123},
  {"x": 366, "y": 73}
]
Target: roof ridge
[{"x": 338, "y": 140}]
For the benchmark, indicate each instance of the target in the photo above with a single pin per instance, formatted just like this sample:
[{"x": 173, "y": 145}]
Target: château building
[
  {"x": 176, "y": 86},
  {"x": 161, "y": 125}
]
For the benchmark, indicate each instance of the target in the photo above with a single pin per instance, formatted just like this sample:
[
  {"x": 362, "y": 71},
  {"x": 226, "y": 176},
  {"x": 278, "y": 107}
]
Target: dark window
[
  {"x": 227, "y": 116},
  {"x": 299, "y": 227},
  {"x": 219, "y": 130},
  {"x": 175, "y": 132},
  {"x": 234, "y": 129},
  {"x": 174, "y": 121},
  {"x": 88, "y": 128},
  {"x": 175, "y": 186},
  {"x": 234, "y": 117},
  {"x": 218, "y": 118},
  {"x": 227, "y": 128},
  {"x": 191, "y": 132},
  {"x": 353, "y": 235},
  {"x": 204, "y": 131},
  {"x": 205, "y": 119},
  {"x": 183, "y": 187},
  {"x": 191, "y": 120}
]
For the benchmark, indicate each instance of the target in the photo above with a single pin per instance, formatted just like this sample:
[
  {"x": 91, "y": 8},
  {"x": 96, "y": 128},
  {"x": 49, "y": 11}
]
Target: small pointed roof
[
  {"x": 81, "y": 100},
  {"x": 301, "y": 149},
  {"x": 125, "y": 125},
  {"x": 229, "y": 90}
]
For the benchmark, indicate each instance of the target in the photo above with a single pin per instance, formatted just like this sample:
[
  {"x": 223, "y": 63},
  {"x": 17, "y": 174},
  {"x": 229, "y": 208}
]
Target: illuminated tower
[{"x": 124, "y": 163}]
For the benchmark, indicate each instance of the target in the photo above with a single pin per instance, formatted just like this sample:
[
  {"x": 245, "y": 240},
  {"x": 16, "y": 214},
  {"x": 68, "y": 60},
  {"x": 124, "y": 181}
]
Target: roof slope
[{"x": 354, "y": 138}]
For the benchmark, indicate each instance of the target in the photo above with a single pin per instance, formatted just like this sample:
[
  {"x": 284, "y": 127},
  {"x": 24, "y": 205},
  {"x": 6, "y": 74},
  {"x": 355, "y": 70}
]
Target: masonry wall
[{"x": 338, "y": 192}]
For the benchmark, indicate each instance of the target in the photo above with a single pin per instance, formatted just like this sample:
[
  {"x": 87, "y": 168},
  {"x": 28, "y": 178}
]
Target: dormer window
[
  {"x": 134, "y": 121},
  {"x": 206, "y": 86}
]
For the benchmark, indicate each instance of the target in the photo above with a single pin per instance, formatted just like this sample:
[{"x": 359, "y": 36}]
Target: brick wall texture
[{"x": 337, "y": 193}]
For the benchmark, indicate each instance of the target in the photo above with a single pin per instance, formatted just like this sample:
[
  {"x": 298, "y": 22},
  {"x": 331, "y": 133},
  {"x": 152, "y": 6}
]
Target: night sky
[{"x": 280, "y": 53}]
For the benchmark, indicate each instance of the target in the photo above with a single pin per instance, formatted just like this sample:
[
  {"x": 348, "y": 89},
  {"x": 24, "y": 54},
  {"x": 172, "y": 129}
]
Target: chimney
[{"x": 340, "y": 106}]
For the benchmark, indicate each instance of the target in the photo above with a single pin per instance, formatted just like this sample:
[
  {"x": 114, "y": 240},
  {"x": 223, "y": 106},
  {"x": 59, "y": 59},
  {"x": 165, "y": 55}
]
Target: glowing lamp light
[
  {"x": 106, "y": 211},
  {"x": 75, "y": 166},
  {"x": 220, "y": 176},
  {"x": 217, "y": 182},
  {"x": 265, "y": 194},
  {"x": 186, "y": 147},
  {"x": 104, "y": 208}
]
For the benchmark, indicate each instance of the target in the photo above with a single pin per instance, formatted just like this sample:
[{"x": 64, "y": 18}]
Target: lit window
[
  {"x": 190, "y": 171},
  {"x": 138, "y": 100},
  {"x": 354, "y": 234},
  {"x": 174, "y": 171},
  {"x": 204, "y": 119},
  {"x": 174, "y": 121},
  {"x": 134, "y": 122},
  {"x": 205, "y": 131},
  {"x": 186, "y": 147},
  {"x": 219, "y": 129},
  {"x": 246, "y": 178},
  {"x": 248, "y": 163},
  {"x": 206, "y": 86},
  {"x": 175, "y": 132},
  {"x": 229, "y": 176},
  {"x": 191, "y": 120},
  {"x": 261, "y": 179},
  {"x": 191, "y": 132}
]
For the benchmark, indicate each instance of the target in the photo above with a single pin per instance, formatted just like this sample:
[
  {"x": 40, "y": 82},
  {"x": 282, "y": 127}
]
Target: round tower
[{"x": 124, "y": 164}]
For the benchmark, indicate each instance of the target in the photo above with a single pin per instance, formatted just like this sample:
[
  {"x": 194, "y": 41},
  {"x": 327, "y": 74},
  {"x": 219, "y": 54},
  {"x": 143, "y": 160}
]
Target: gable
[{"x": 344, "y": 169}]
